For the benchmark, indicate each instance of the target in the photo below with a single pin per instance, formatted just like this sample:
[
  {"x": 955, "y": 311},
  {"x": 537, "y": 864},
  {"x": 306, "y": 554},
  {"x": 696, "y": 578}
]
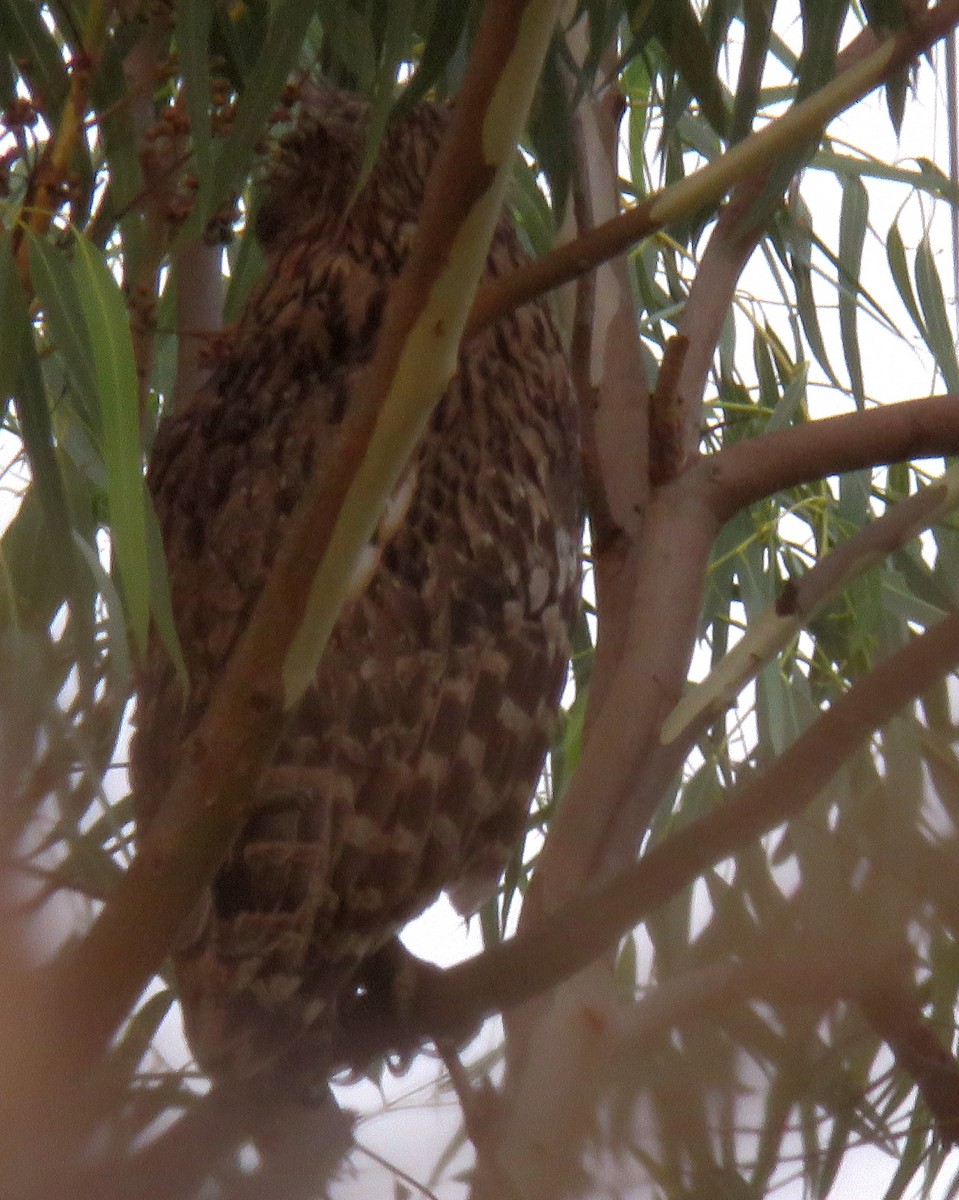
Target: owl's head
[{"x": 315, "y": 168}]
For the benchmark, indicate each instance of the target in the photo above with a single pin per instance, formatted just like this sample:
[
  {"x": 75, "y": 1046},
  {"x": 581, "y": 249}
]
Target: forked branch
[{"x": 582, "y": 929}]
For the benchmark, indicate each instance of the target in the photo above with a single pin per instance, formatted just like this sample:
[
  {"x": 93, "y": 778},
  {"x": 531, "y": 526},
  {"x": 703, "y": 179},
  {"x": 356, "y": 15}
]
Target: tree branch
[
  {"x": 708, "y": 186},
  {"x": 100, "y": 979},
  {"x": 912, "y": 429},
  {"x": 574, "y": 935},
  {"x": 43, "y": 200},
  {"x": 309, "y": 1142},
  {"x": 894, "y": 1011},
  {"x": 601, "y": 820},
  {"x": 803, "y": 596},
  {"x": 650, "y": 674}
]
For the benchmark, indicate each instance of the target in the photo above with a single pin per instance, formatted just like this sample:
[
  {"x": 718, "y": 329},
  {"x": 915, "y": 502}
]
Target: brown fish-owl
[{"x": 409, "y": 766}]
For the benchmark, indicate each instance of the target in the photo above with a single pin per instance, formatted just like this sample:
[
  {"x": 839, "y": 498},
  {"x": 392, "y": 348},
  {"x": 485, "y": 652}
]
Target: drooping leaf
[
  {"x": 55, "y": 283},
  {"x": 119, "y": 661},
  {"x": 678, "y": 29},
  {"x": 28, "y": 41},
  {"x": 394, "y": 46},
  {"x": 233, "y": 157},
  {"x": 853, "y": 220},
  {"x": 800, "y": 243},
  {"x": 108, "y": 330},
  {"x": 940, "y": 330},
  {"x": 16, "y": 331},
  {"x": 33, "y": 415},
  {"x": 550, "y": 130},
  {"x": 193, "y": 23},
  {"x": 898, "y": 268}
]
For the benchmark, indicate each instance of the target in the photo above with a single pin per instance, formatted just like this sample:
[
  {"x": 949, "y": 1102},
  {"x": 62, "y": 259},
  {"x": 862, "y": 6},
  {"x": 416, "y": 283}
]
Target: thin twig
[{"x": 708, "y": 186}]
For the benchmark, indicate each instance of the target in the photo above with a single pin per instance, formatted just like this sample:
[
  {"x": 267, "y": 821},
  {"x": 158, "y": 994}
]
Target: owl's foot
[{"x": 385, "y": 1009}]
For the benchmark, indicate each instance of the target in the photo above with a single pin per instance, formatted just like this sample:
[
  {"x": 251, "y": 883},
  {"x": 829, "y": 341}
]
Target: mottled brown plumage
[{"x": 409, "y": 766}]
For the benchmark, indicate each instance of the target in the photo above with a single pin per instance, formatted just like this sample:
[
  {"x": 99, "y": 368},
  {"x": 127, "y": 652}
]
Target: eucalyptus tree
[{"x": 724, "y": 954}]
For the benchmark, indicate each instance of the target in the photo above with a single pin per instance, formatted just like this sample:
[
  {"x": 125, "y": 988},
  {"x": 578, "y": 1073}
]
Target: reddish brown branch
[
  {"x": 654, "y": 649},
  {"x": 582, "y": 929},
  {"x": 742, "y": 224},
  {"x": 913, "y": 429},
  {"x": 601, "y": 821},
  {"x": 616, "y": 235},
  {"x": 895, "y": 1013}
]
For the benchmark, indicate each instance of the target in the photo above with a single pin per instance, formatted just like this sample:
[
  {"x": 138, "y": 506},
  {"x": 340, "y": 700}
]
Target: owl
[{"x": 409, "y": 765}]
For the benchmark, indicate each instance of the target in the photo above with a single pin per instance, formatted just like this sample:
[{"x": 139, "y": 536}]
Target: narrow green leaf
[
  {"x": 940, "y": 334},
  {"x": 934, "y": 180},
  {"x": 246, "y": 267},
  {"x": 77, "y": 444},
  {"x": 26, "y": 38},
  {"x": 161, "y": 604},
  {"x": 397, "y": 35},
  {"x": 349, "y": 42},
  {"x": 853, "y": 219},
  {"x": 33, "y": 578},
  {"x": 860, "y": 294},
  {"x": 108, "y": 329},
  {"x": 193, "y": 19},
  {"x": 929, "y": 178},
  {"x": 797, "y": 232},
  {"x": 551, "y": 130},
  {"x": 446, "y": 32},
  {"x": 139, "y": 1033},
  {"x": 56, "y": 288},
  {"x": 14, "y": 332},
  {"x": 395, "y": 44},
  {"x": 765, "y": 372},
  {"x": 791, "y": 400},
  {"x": 757, "y": 18},
  {"x": 124, "y": 181},
  {"x": 896, "y": 257},
  {"x": 237, "y": 36},
  {"x": 822, "y": 22},
  {"x": 8, "y": 84},
  {"x": 119, "y": 649},
  {"x": 681, "y": 35},
  {"x": 33, "y": 414},
  {"x": 232, "y": 158},
  {"x": 533, "y": 214}
]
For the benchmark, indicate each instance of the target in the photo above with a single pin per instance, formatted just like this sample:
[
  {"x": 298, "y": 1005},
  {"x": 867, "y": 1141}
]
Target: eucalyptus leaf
[
  {"x": 939, "y": 329},
  {"x": 853, "y": 221},
  {"x": 27, "y": 40},
  {"x": 233, "y": 157},
  {"x": 108, "y": 330},
  {"x": 55, "y": 282}
]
